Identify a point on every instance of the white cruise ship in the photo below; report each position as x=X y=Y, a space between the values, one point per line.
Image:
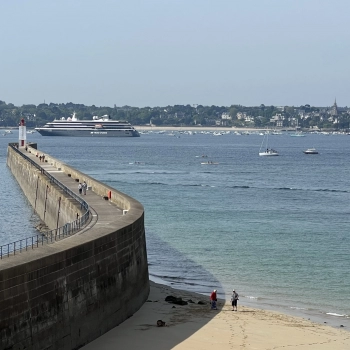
x=97 y=127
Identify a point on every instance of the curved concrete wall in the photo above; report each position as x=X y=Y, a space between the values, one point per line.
x=52 y=205
x=64 y=295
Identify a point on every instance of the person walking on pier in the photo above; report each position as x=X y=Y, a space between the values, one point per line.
x=80 y=188
x=84 y=186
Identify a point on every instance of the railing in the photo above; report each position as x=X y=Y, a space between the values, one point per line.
x=83 y=204
x=53 y=235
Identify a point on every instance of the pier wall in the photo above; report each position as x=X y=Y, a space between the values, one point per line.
x=66 y=294
x=50 y=203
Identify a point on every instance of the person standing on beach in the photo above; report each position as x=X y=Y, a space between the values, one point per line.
x=213 y=300
x=234 y=299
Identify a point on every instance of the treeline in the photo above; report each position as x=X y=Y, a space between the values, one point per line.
x=179 y=115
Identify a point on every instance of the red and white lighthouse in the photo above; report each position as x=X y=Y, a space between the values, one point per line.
x=22 y=133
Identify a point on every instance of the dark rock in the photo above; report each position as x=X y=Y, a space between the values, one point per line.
x=341 y=325
x=170 y=298
x=190 y=301
x=201 y=302
x=174 y=300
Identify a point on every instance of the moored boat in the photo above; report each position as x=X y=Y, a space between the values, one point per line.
x=209 y=162
x=265 y=143
x=269 y=152
x=311 y=151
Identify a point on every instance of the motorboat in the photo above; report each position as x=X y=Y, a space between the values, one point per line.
x=209 y=162
x=311 y=151
x=298 y=134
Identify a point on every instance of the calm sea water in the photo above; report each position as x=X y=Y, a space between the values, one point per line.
x=17 y=219
x=276 y=229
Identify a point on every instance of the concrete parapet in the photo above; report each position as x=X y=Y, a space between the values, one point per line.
x=64 y=295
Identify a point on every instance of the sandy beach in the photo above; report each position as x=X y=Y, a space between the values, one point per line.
x=195 y=326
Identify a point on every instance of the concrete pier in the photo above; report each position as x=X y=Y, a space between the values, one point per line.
x=64 y=295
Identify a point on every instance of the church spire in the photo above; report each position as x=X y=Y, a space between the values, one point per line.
x=334 y=109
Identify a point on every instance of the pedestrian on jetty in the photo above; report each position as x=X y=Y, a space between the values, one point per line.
x=80 y=188
x=84 y=186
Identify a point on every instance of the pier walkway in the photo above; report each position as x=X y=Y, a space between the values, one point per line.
x=102 y=211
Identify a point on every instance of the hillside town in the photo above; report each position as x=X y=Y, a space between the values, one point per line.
x=303 y=117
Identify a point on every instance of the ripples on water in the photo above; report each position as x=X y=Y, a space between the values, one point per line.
x=274 y=228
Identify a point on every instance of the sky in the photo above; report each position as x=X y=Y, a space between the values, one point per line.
x=166 y=52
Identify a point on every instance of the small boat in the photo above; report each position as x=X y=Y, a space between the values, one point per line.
x=209 y=162
x=298 y=133
x=269 y=152
x=311 y=151
x=265 y=145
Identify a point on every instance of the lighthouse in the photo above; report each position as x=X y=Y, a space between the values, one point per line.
x=22 y=133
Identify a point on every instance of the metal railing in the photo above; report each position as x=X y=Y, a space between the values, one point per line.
x=53 y=235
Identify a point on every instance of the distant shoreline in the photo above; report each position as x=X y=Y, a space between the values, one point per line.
x=201 y=128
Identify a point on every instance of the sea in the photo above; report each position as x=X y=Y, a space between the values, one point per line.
x=275 y=229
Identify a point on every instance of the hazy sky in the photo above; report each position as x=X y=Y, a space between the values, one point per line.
x=166 y=52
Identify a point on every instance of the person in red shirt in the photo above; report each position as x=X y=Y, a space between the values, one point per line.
x=213 y=299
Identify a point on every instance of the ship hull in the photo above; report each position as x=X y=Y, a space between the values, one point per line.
x=88 y=133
